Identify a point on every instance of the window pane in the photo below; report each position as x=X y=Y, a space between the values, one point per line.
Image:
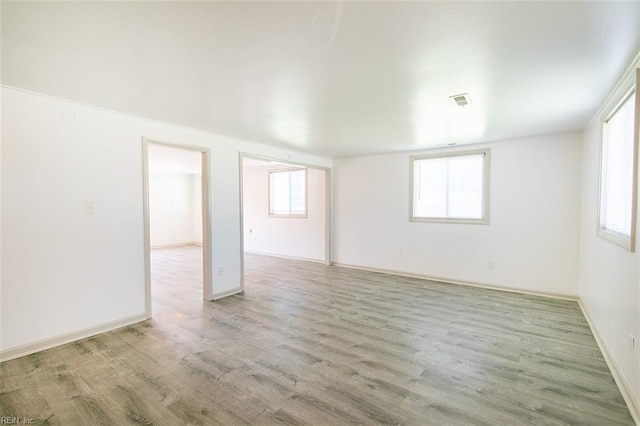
x=617 y=171
x=298 y=191
x=449 y=187
x=287 y=192
x=432 y=195
x=279 y=186
x=465 y=187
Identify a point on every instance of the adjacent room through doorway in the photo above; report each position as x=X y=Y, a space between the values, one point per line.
x=284 y=211
x=175 y=228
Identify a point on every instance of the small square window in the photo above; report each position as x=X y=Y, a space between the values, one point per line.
x=451 y=187
x=288 y=193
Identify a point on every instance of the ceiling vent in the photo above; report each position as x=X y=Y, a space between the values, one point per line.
x=461 y=99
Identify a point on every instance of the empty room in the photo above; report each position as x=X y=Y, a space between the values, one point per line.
x=331 y=212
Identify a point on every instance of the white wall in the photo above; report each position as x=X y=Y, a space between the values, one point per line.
x=196 y=208
x=533 y=235
x=174 y=208
x=609 y=275
x=302 y=238
x=65 y=272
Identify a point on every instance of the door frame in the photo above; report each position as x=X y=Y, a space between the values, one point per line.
x=328 y=218
x=207 y=260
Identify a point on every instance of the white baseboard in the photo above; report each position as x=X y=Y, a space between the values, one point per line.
x=161 y=246
x=227 y=293
x=41 y=345
x=282 y=256
x=625 y=389
x=464 y=283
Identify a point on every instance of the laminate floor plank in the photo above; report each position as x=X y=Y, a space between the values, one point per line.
x=311 y=344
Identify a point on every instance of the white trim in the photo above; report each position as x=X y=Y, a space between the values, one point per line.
x=456 y=282
x=282 y=256
x=304 y=215
x=222 y=295
x=621 y=102
x=63 y=339
x=328 y=216
x=625 y=388
x=162 y=246
x=207 y=259
x=207 y=221
x=626 y=81
x=627 y=243
x=146 y=227
x=241 y=206
x=622 y=242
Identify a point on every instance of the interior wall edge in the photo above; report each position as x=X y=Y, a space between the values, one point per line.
x=625 y=388
x=63 y=339
x=563 y=296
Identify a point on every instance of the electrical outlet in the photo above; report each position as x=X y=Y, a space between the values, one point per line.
x=491 y=264
x=220 y=270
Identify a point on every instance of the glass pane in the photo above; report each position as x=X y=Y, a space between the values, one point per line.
x=298 y=191
x=465 y=187
x=432 y=185
x=449 y=187
x=287 y=192
x=617 y=171
x=279 y=193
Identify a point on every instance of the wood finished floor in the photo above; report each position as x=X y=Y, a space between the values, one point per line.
x=323 y=345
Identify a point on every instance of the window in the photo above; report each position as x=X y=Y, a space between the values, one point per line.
x=288 y=193
x=618 y=175
x=450 y=187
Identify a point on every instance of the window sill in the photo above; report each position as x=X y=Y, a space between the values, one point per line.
x=625 y=243
x=484 y=221
x=288 y=216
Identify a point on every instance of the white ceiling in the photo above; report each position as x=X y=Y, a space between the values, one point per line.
x=333 y=78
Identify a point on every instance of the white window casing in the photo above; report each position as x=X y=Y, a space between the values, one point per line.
x=288 y=193
x=451 y=187
x=619 y=173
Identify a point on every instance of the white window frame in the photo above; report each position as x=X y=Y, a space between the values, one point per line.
x=484 y=220
x=625 y=242
x=306 y=194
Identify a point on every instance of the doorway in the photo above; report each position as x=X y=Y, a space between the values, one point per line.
x=176 y=222
x=285 y=210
